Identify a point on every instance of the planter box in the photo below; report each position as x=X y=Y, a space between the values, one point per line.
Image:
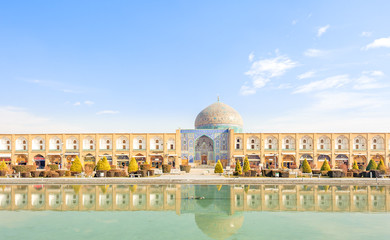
x=3 y=173
x=61 y=173
x=25 y=174
x=357 y=174
x=55 y=174
x=247 y=174
x=267 y=173
x=253 y=173
x=275 y=173
x=145 y=166
x=375 y=173
x=143 y=173
x=284 y=174
x=316 y=171
x=110 y=173
x=186 y=168
x=336 y=174
x=35 y=173
x=166 y=168
x=324 y=173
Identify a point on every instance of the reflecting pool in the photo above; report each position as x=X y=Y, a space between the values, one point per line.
x=194 y=212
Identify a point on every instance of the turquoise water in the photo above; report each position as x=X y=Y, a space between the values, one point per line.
x=194 y=212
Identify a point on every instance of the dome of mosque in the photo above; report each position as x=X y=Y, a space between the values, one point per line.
x=219 y=226
x=219 y=116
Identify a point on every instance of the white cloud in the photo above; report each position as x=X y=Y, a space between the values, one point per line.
x=284 y=86
x=88 y=103
x=251 y=57
x=107 y=112
x=262 y=71
x=330 y=82
x=294 y=22
x=314 y=53
x=77 y=104
x=380 y=42
x=322 y=30
x=366 y=34
x=306 y=75
x=369 y=80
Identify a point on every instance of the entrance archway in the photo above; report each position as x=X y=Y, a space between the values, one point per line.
x=123 y=160
x=157 y=161
x=54 y=159
x=172 y=161
x=204 y=149
x=140 y=158
x=288 y=161
x=341 y=160
x=309 y=159
x=271 y=162
x=21 y=159
x=360 y=160
x=89 y=158
x=377 y=158
x=39 y=161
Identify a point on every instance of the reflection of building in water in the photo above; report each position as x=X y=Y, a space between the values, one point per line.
x=219 y=215
x=226 y=199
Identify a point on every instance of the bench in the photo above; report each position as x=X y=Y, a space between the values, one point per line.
x=82 y=174
x=135 y=175
x=316 y=175
x=13 y=175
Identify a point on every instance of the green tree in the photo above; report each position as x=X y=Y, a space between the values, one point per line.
x=238 y=167
x=325 y=166
x=133 y=165
x=355 y=165
x=371 y=165
x=103 y=165
x=218 y=167
x=306 y=167
x=246 y=165
x=381 y=167
x=76 y=165
x=3 y=166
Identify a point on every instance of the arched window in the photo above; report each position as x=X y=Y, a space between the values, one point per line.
x=271 y=143
x=105 y=143
x=156 y=143
x=238 y=143
x=139 y=143
x=122 y=143
x=323 y=143
x=171 y=144
x=55 y=143
x=253 y=143
x=5 y=144
x=378 y=143
x=288 y=143
x=72 y=143
x=360 y=143
x=306 y=142
x=342 y=143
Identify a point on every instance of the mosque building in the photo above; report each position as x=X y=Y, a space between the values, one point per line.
x=218 y=135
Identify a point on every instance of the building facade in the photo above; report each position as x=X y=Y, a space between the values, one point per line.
x=218 y=135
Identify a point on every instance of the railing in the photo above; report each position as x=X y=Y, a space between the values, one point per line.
x=105 y=149
x=21 y=150
x=143 y=149
x=121 y=149
x=55 y=150
x=360 y=149
x=271 y=149
x=306 y=149
x=290 y=149
x=323 y=150
x=88 y=150
x=5 y=150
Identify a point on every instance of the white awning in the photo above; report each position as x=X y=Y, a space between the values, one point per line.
x=341 y=153
x=138 y=156
x=238 y=155
x=105 y=155
x=5 y=155
x=67 y=154
x=270 y=155
x=292 y=153
x=121 y=154
x=155 y=154
x=359 y=154
x=253 y=154
x=49 y=154
x=172 y=155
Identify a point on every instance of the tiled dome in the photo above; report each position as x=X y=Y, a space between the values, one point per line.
x=219 y=116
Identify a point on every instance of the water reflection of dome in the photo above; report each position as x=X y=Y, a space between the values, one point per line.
x=219 y=226
x=219 y=116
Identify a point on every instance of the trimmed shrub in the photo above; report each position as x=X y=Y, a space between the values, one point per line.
x=144 y=173
x=371 y=165
x=238 y=169
x=306 y=167
x=246 y=165
x=103 y=165
x=25 y=174
x=53 y=167
x=99 y=173
x=284 y=174
x=166 y=168
x=145 y=166
x=61 y=173
x=218 y=167
x=35 y=174
x=186 y=168
x=76 y=165
x=3 y=166
x=150 y=172
x=325 y=166
x=355 y=165
x=374 y=173
x=336 y=174
x=133 y=166
x=381 y=167
x=19 y=168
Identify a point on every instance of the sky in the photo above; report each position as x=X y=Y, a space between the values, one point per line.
x=152 y=66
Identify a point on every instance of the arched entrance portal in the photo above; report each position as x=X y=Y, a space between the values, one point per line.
x=341 y=160
x=377 y=158
x=288 y=161
x=360 y=160
x=204 y=150
x=39 y=161
x=21 y=159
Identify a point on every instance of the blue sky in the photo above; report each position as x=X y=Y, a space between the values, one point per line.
x=151 y=66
